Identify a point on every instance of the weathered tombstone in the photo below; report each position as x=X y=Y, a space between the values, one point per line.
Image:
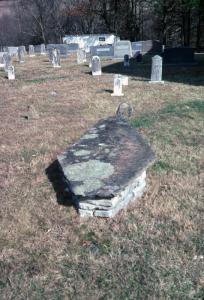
x=90 y=62
x=96 y=66
x=21 y=57
x=121 y=48
x=124 y=111
x=13 y=51
x=50 y=54
x=42 y=49
x=126 y=60
x=80 y=56
x=106 y=169
x=156 y=74
x=2 y=59
x=23 y=48
x=7 y=62
x=72 y=47
x=118 y=86
x=31 y=51
x=11 y=72
x=56 y=59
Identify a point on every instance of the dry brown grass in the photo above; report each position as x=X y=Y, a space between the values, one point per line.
x=152 y=250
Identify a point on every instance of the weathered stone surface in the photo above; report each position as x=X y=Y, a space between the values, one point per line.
x=106 y=168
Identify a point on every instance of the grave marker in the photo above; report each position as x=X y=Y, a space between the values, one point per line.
x=118 y=86
x=56 y=58
x=21 y=57
x=122 y=48
x=156 y=74
x=11 y=72
x=31 y=51
x=96 y=66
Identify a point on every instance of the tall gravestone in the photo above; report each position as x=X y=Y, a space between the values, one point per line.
x=11 y=73
x=80 y=56
x=31 y=51
x=50 y=54
x=56 y=59
x=21 y=55
x=42 y=49
x=118 y=86
x=96 y=65
x=8 y=62
x=156 y=74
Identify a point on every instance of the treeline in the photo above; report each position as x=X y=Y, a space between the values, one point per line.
x=173 y=22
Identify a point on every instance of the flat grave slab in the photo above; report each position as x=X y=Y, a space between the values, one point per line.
x=106 y=168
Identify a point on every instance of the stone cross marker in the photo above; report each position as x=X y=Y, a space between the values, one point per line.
x=118 y=85
x=126 y=60
x=21 y=56
x=96 y=66
x=11 y=72
x=31 y=51
x=56 y=58
x=156 y=75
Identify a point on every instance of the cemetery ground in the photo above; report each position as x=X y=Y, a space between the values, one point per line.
x=152 y=250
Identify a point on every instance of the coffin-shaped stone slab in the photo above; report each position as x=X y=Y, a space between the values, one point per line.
x=106 y=168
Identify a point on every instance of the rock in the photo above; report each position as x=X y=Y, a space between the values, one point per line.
x=106 y=168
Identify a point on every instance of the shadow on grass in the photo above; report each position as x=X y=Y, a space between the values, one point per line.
x=192 y=74
x=55 y=176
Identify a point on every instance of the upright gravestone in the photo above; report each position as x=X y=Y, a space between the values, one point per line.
x=31 y=51
x=21 y=55
x=42 y=49
x=156 y=74
x=121 y=48
x=118 y=85
x=126 y=60
x=96 y=65
x=50 y=54
x=7 y=62
x=80 y=56
x=11 y=73
x=56 y=59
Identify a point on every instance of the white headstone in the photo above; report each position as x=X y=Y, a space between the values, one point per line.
x=117 y=86
x=156 y=74
x=81 y=56
x=124 y=80
x=7 y=61
x=21 y=57
x=42 y=49
x=31 y=51
x=56 y=58
x=96 y=66
x=11 y=73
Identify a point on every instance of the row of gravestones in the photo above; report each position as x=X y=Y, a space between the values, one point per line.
x=119 y=80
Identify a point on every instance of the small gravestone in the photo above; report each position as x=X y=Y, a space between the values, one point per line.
x=90 y=62
x=8 y=62
x=56 y=58
x=11 y=72
x=106 y=169
x=124 y=111
x=21 y=55
x=156 y=74
x=96 y=66
x=42 y=49
x=80 y=56
x=50 y=54
x=126 y=60
x=31 y=51
x=118 y=86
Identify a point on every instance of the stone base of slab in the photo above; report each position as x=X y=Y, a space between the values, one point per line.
x=162 y=82
x=96 y=73
x=108 y=208
x=116 y=95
